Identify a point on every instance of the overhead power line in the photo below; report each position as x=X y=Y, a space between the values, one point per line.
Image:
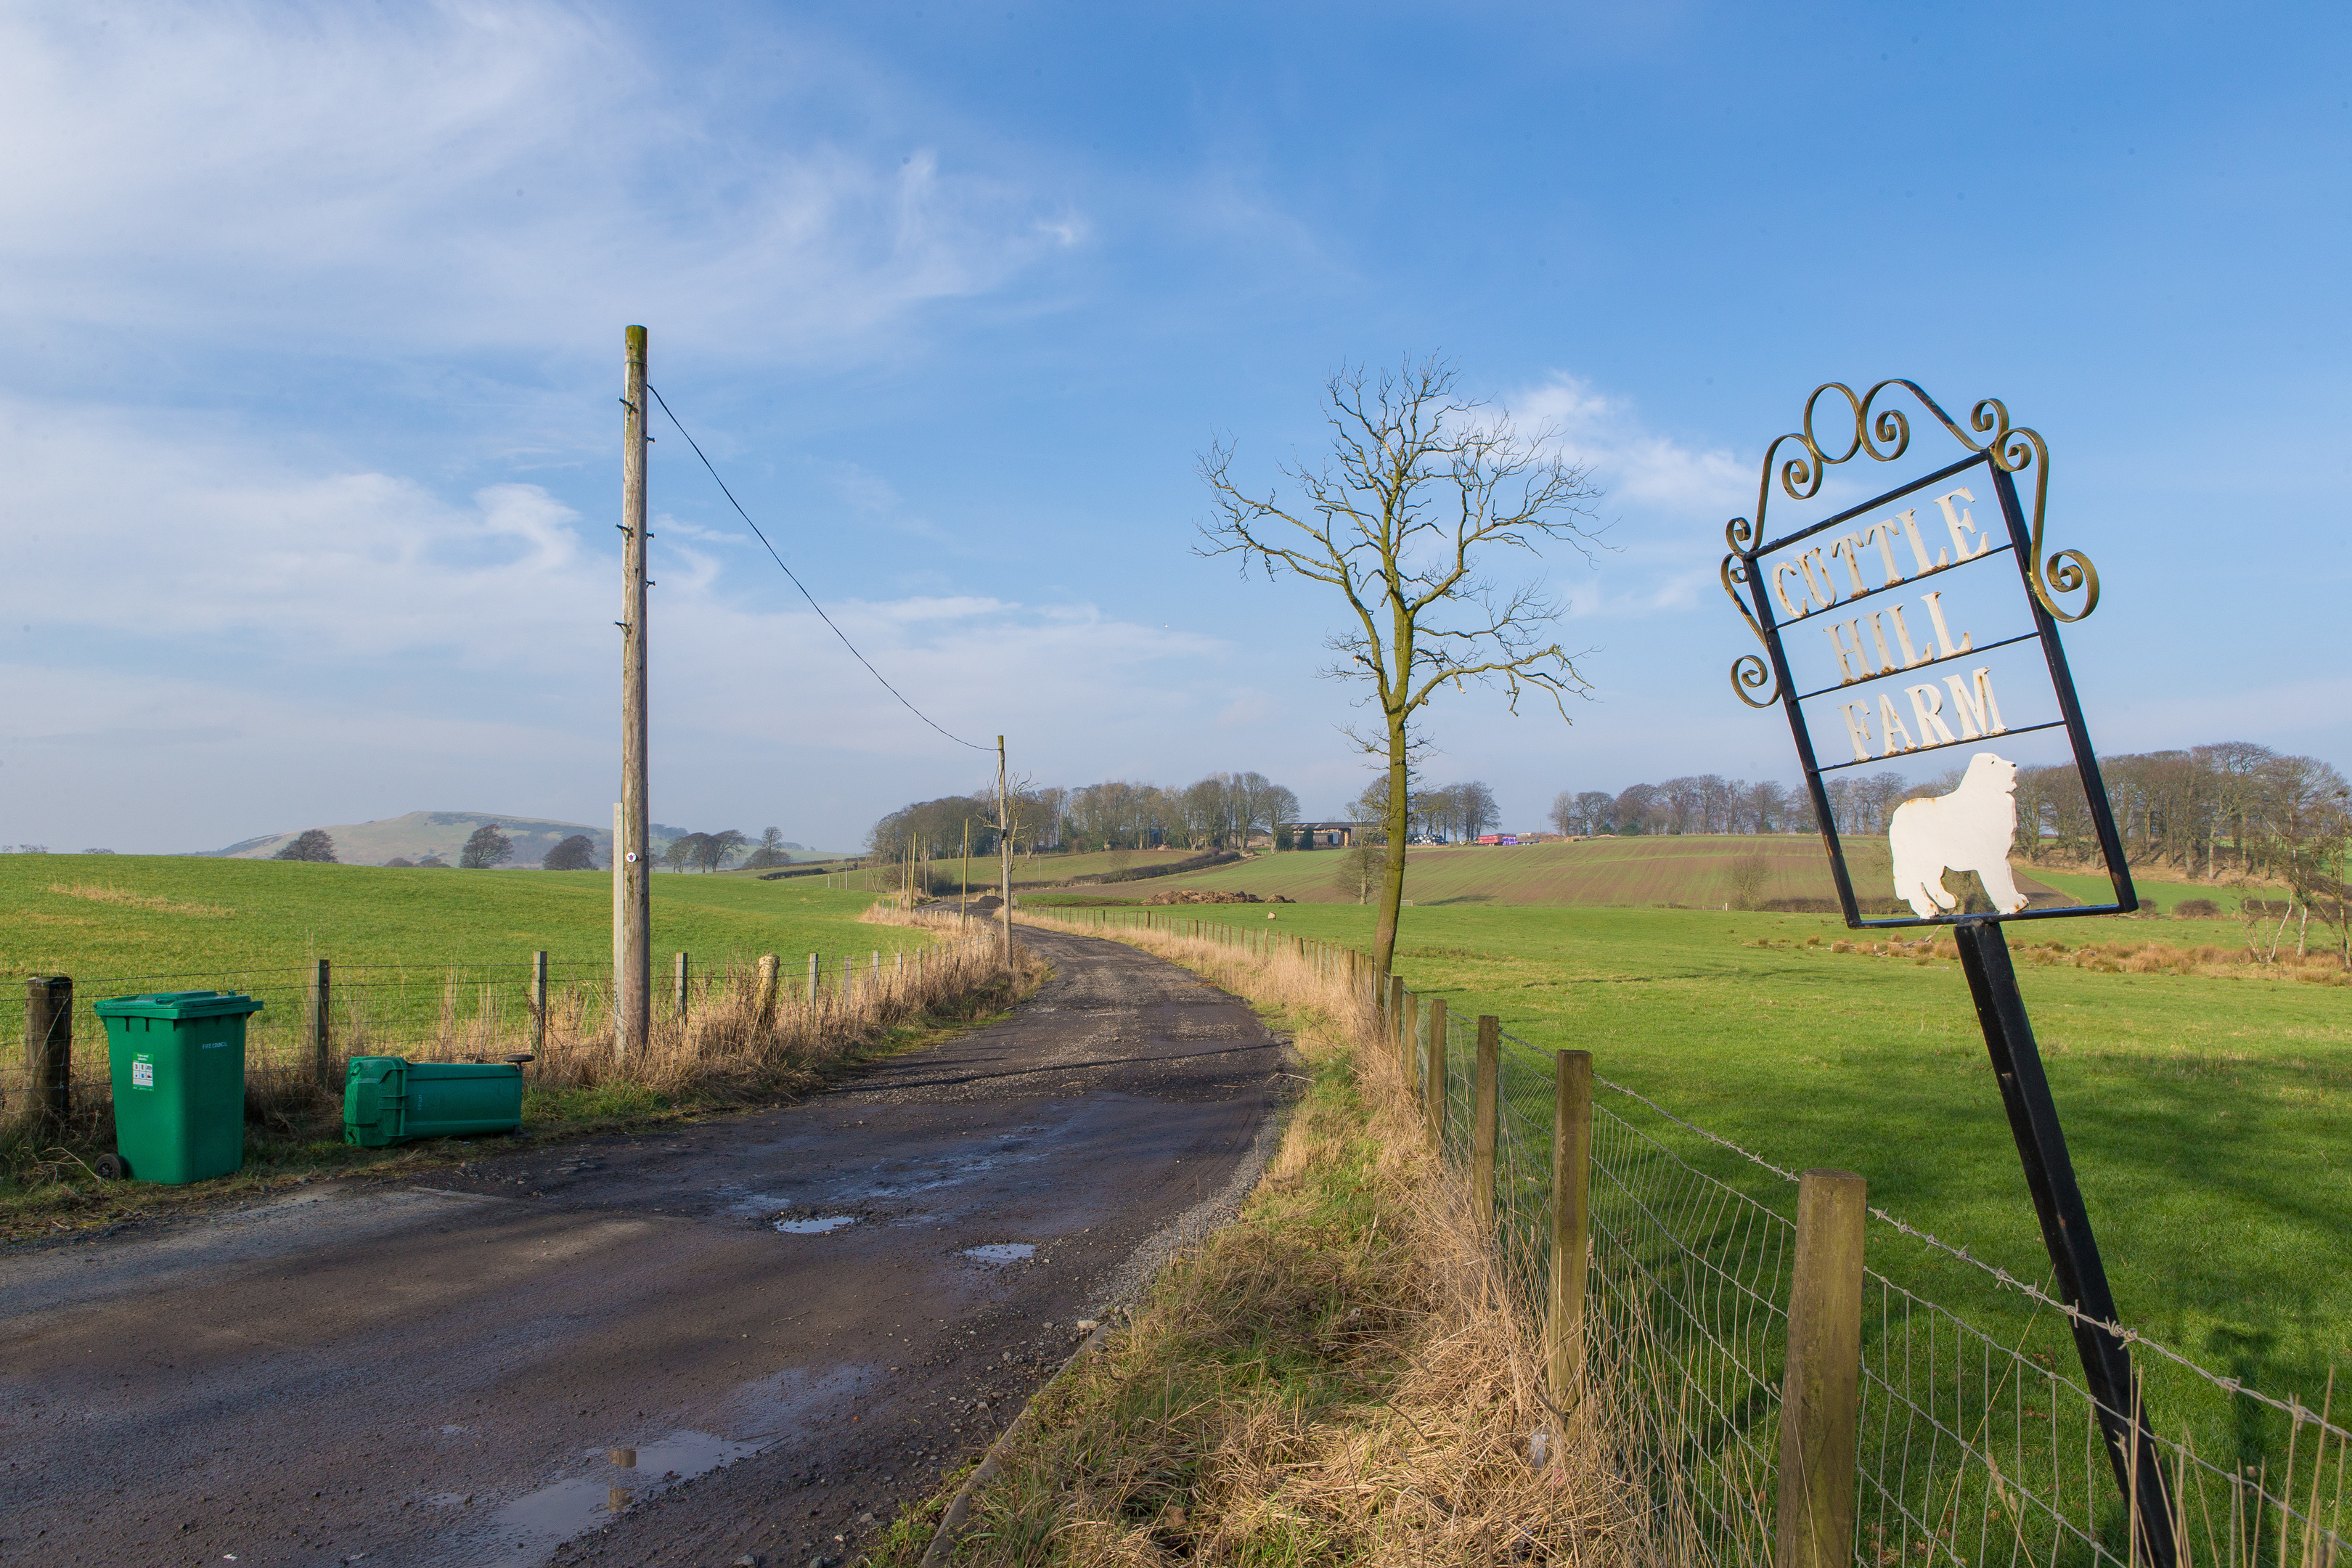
x=754 y=527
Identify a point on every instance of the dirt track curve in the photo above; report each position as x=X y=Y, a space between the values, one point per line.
x=465 y=1375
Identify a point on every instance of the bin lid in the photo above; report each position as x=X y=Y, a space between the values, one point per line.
x=177 y=1004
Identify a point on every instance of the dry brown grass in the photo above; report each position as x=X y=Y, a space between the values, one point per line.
x=102 y=893
x=1339 y=1377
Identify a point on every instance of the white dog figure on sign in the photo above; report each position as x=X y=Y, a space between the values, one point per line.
x=1968 y=830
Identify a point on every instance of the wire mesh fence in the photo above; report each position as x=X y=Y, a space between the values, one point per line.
x=1979 y=1444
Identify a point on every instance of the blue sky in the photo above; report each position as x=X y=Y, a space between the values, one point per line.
x=314 y=320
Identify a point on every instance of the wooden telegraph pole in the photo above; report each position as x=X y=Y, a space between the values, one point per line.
x=632 y=865
x=1005 y=855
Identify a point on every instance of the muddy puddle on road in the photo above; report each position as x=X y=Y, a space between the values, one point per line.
x=1002 y=1252
x=896 y=1180
x=606 y=1481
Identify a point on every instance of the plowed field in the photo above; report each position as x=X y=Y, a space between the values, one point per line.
x=1689 y=871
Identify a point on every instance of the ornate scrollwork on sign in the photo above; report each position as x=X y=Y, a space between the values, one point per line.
x=1885 y=433
x=1749 y=673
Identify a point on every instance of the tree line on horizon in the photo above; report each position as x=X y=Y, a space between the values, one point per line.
x=2230 y=807
x=1218 y=811
x=489 y=846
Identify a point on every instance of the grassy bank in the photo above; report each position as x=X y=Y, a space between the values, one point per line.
x=1329 y=1379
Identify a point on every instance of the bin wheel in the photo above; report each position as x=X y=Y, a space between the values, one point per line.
x=113 y=1167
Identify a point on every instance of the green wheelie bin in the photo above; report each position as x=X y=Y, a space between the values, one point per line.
x=391 y=1099
x=178 y=1059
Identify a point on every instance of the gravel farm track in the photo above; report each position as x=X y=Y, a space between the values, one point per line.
x=751 y=1336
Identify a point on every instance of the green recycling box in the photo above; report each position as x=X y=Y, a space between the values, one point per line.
x=390 y=1099
x=178 y=1063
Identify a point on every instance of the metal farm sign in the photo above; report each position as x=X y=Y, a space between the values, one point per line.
x=1917 y=633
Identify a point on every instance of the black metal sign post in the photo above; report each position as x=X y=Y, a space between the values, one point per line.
x=1819 y=572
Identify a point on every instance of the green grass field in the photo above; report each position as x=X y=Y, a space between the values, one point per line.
x=414 y=951
x=399 y=941
x=129 y=915
x=2210 y=1120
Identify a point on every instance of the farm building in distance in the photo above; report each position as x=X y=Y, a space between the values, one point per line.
x=1326 y=835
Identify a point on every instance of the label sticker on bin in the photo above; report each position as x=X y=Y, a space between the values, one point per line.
x=142 y=1072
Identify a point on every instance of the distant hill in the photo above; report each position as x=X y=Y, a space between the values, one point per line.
x=442 y=832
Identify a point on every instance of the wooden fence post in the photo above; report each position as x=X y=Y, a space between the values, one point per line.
x=680 y=988
x=764 y=998
x=323 y=1058
x=1392 y=989
x=1432 y=1078
x=1409 y=1026
x=1821 y=1397
x=539 y=1006
x=1486 y=1114
x=813 y=967
x=48 y=1052
x=1571 y=1171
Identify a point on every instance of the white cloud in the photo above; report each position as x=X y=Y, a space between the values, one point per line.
x=293 y=643
x=1640 y=467
x=1665 y=506
x=438 y=176
x=667 y=527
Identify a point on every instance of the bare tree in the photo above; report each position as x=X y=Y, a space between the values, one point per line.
x=1358 y=874
x=684 y=851
x=1567 y=818
x=712 y=852
x=577 y=853
x=1477 y=807
x=486 y=847
x=1421 y=485
x=310 y=844
x=1634 y=808
x=1747 y=876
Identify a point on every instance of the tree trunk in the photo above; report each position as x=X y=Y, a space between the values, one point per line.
x=1392 y=869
